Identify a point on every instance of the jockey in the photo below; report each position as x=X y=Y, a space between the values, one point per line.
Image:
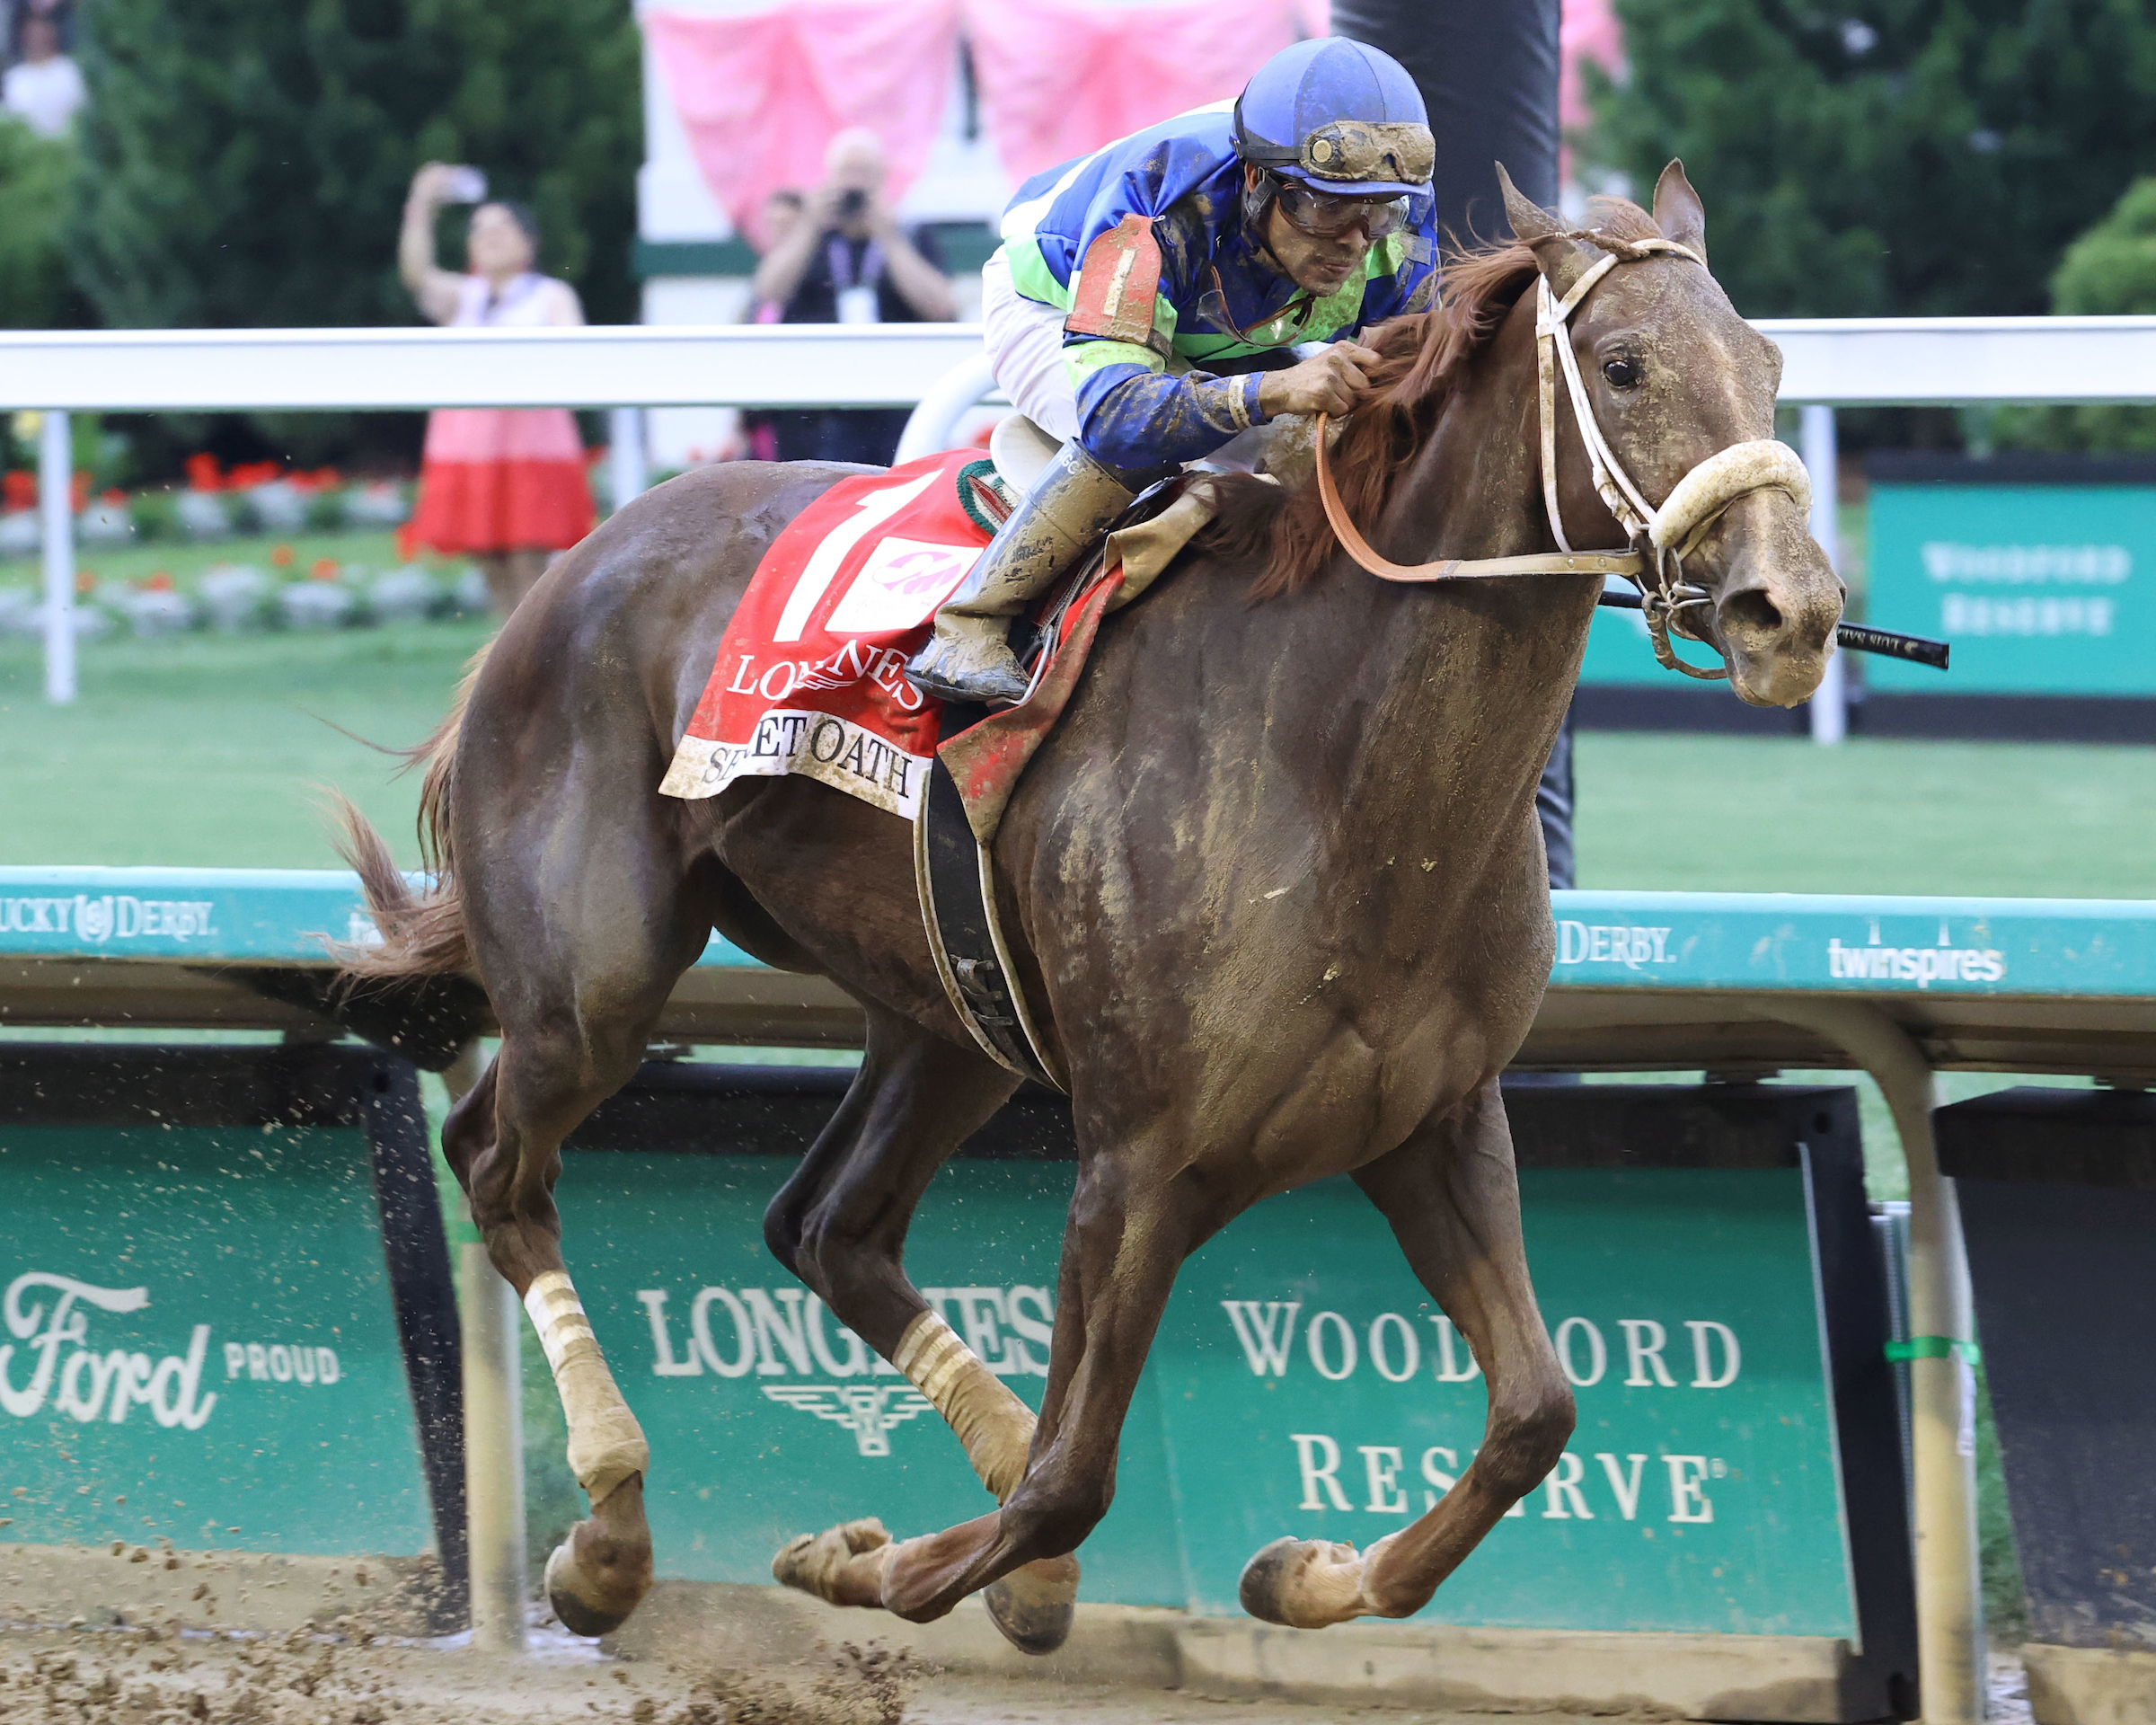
x=1147 y=300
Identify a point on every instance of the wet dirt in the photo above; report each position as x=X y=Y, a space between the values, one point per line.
x=135 y=1674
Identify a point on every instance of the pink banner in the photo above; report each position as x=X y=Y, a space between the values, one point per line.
x=1589 y=32
x=1060 y=78
x=761 y=95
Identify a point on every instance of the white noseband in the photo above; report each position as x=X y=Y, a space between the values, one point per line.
x=1761 y=466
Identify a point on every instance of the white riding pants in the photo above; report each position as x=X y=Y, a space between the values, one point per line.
x=1024 y=339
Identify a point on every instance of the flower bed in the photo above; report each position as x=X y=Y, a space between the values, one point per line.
x=257 y=546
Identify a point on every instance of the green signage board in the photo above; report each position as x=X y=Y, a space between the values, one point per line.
x=199 y=1338
x=767 y=1418
x=1327 y=1398
x=2041 y=588
x=1302 y=1383
x=1712 y=941
x=1619 y=652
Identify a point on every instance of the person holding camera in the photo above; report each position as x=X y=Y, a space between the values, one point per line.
x=847 y=261
x=506 y=485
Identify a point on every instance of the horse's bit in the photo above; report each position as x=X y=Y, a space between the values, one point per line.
x=1659 y=539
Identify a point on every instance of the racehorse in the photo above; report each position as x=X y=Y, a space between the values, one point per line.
x=1276 y=878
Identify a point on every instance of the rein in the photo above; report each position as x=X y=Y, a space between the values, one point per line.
x=1659 y=538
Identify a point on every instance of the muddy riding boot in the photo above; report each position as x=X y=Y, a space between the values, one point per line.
x=968 y=657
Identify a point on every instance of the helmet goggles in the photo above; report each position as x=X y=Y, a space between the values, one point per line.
x=1353 y=158
x=1325 y=215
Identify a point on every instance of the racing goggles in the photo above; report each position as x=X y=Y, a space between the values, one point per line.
x=1326 y=215
x=1359 y=155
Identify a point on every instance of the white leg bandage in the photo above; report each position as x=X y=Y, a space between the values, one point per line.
x=605 y=1444
x=994 y=1425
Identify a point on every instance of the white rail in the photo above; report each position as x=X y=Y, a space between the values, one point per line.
x=1960 y=361
x=936 y=367
x=1840 y=362
x=766 y=364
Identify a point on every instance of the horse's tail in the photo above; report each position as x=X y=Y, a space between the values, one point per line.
x=422 y=935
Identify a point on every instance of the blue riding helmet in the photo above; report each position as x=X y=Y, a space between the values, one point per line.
x=1339 y=117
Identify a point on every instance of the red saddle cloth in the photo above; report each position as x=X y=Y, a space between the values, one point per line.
x=810 y=677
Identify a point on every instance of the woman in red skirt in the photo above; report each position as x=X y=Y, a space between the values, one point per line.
x=505 y=484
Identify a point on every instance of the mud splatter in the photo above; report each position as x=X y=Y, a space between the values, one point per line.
x=135 y=1674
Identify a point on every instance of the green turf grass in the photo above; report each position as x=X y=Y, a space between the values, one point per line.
x=201 y=750
x=1742 y=814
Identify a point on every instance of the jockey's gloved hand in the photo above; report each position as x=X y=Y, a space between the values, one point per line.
x=1328 y=383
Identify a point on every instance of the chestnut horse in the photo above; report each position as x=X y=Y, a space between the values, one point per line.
x=1276 y=881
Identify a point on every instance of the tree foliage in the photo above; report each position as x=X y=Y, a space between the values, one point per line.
x=1886 y=158
x=34 y=290
x=2110 y=269
x=245 y=162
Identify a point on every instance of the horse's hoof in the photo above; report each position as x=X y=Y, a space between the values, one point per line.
x=842 y=1566
x=596 y=1577
x=1034 y=1605
x=1303 y=1583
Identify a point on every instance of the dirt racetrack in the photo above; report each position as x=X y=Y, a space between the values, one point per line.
x=144 y=1676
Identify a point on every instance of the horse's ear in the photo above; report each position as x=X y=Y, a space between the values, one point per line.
x=1678 y=211
x=1563 y=258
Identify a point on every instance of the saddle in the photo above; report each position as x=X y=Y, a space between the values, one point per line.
x=975 y=763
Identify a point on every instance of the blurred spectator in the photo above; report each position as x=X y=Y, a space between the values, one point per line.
x=16 y=13
x=505 y=484
x=42 y=89
x=781 y=213
x=845 y=260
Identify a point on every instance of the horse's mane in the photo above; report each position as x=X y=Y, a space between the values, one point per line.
x=1423 y=354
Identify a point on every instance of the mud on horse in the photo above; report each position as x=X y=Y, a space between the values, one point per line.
x=1277 y=878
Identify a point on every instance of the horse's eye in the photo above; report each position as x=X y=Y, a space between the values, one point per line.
x=1622 y=374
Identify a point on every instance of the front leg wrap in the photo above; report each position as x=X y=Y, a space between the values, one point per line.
x=994 y=1425
x=606 y=1444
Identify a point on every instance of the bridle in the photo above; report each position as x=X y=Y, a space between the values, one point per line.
x=1659 y=539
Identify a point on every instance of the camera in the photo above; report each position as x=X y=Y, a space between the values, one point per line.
x=852 y=203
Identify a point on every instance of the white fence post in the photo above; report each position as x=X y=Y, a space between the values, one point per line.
x=493 y=1451
x=1830 y=704
x=56 y=514
x=492 y=1323
x=626 y=462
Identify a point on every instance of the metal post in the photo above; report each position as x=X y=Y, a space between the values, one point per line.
x=492 y=1323
x=632 y=478
x=1942 y=1386
x=1830 y=704
x=56 y=512
x=493 y=1451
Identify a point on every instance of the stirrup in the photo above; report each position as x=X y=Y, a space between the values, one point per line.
x=992 y=684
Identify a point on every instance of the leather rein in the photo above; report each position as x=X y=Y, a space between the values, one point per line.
x=1659 y=538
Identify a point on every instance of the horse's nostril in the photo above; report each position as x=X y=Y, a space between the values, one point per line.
x=1752 y=612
